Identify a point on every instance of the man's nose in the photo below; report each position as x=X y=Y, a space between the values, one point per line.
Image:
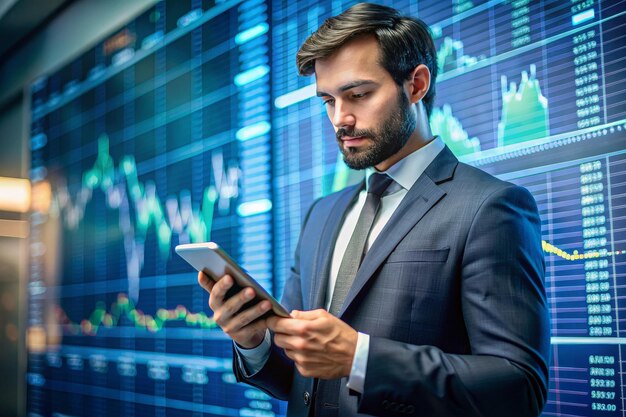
x=343 y=116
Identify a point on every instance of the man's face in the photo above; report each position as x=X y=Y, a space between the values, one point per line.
x=372 y=116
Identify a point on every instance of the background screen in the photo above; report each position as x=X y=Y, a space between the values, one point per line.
x=190 y=124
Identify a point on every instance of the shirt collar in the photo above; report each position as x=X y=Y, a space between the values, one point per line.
x=407 y=170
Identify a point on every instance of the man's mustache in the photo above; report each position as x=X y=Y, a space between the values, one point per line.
x=354 y=133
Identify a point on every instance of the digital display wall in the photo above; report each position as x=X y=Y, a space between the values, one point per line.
x=190 y=124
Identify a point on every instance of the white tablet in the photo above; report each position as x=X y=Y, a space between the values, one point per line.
x=215 y=263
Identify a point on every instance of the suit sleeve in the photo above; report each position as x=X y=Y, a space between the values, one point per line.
x=506 y=316
x=276 y=376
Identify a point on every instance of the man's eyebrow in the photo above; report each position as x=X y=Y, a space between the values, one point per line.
x=348 y=86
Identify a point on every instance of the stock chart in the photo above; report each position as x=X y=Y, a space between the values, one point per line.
x=190 y=124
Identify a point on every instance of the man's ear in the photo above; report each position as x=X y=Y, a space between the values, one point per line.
x=418 y=83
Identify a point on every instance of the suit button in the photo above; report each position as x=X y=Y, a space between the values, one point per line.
x=307 y=398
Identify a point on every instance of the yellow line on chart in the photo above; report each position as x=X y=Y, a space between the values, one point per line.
x=575 y=255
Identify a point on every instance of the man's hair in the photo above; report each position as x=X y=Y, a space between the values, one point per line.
x=404 y=42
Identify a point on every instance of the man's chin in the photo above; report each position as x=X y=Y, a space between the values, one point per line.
x=357 y=162
x=358 y=157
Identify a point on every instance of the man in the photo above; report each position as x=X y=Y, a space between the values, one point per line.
x=445 y=313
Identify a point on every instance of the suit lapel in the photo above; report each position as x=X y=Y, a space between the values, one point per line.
x=423 y=195
x=324 y=252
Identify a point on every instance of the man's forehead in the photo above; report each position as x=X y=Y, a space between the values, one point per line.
x=348 y=85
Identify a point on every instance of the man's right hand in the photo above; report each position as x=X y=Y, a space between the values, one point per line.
x=241 y=326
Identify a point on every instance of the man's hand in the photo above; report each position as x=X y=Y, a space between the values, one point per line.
x=240 y=326
x=321 y=345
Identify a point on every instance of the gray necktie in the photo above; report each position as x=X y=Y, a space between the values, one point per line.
x=351 y=261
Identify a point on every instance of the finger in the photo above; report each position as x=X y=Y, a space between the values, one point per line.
x=290 y=354
x=279 y=340
x=271 y=322
x=288 y=326
x=231 y=308
x=287 y=342
x=218 y=292
x=302 y=370
x=221 y=286
x=205 y=282
x=250 y=315
x=302 y=361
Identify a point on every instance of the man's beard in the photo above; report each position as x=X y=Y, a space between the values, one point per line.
x=393 y=134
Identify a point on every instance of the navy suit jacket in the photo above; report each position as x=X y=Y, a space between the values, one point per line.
x=451 y=294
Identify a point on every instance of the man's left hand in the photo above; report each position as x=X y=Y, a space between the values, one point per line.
x=321 y=345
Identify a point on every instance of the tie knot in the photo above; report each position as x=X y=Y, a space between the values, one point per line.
x=378 y=183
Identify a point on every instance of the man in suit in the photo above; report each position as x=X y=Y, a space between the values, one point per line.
x=418 y=292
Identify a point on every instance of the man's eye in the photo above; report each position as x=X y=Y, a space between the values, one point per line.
x=329 y=101
x=359 y=95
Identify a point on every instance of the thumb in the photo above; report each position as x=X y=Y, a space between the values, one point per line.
x=308 y=315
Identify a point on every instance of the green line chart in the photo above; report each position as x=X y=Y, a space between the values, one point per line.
x=141 y=209
x=524 y=110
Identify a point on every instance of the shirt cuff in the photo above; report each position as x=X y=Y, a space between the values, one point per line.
x=252 y=360
x=356 y=380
